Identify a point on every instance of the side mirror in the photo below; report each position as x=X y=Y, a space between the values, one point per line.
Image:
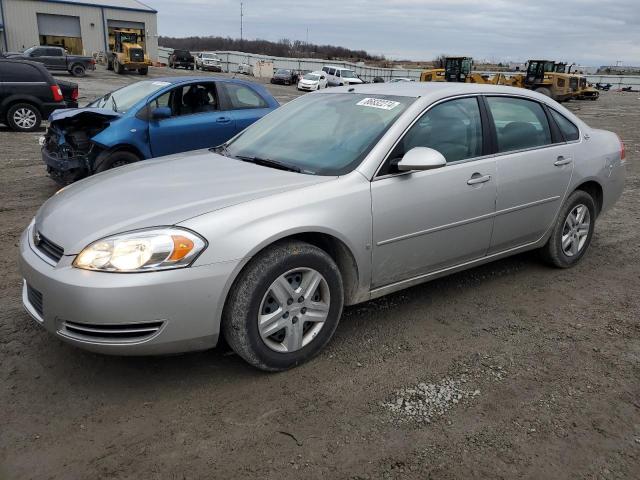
x=160 y=113
x=421 y=158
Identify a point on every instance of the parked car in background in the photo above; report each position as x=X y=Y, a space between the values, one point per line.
x=284 y=76
x=340 y=76
x=378 y=80
x=148 y=119
x=182 y=59
x=56 y=59
x=252 y=240
x=245 y=69
x=208 y=61
x=28 y=93
x=313 y=81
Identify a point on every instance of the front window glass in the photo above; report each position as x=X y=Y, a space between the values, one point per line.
x=321 y=134
x=519 y=123
x=124 y=98
x=453 y=128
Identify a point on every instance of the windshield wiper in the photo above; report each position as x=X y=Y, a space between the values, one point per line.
x=266 y=162
x=222 y=149
x=113 y=102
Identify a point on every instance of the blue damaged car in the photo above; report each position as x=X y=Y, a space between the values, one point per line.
x=149 y=119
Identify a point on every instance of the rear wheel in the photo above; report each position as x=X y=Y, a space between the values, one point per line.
x=572 y=231
x=78 y=70
x=143 y=71
x=109 y=64
x=116 y=159
x=24 y=117
x=544 y=91
x=117 y=66
x=284 y=307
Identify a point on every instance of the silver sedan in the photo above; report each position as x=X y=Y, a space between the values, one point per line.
x=336 y=198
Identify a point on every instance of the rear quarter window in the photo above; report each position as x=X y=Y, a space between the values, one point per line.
x=569 y=131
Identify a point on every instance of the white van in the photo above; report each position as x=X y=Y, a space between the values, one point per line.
x=338 y=76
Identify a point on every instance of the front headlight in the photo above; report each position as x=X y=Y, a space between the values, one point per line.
x=142 y=251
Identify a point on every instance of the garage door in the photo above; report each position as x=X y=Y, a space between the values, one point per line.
x=59 y=25
x=125 y=24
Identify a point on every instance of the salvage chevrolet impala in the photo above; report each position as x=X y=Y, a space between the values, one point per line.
x=338 y=197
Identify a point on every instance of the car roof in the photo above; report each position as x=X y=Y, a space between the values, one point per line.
x=433 y=90
x=192 y=78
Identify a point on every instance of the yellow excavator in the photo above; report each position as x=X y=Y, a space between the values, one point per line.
x=126 y=53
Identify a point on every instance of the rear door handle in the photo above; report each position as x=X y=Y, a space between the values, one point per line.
x=223 y=120
x=562 y=161
x=478 y=178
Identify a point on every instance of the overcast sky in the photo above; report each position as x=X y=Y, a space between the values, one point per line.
x=588 y=32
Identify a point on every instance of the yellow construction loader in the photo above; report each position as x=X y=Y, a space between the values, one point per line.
x=542 y=77
x=126 y=53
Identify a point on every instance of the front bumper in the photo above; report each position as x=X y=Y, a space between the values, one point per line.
x=59 y=164
x=124 y=314
x=211 y=68
x=309 y=88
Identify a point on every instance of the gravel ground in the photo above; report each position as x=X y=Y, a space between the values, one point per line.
x=509 y=370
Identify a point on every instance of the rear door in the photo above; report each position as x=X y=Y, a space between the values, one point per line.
x=534 y=167
x=197 y=120
x=242 y=104
x=55 y=59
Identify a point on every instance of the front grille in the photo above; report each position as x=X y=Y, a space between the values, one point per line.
x=46 y=246
x=111 y=333
x=136 y=55
x=35 y=299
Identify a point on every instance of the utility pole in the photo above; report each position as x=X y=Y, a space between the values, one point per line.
x=241 y=15
x=307 y=35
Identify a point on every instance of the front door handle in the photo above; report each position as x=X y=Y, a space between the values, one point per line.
x=478 y=178
x=223 y=120
x=562 y=161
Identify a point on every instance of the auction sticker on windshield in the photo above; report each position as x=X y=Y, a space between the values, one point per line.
x=378 y=103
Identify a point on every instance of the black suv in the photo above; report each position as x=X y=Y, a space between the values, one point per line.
x=29 y=93
x=182 y=58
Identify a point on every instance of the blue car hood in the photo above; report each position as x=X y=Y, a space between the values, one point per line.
x=81 y=112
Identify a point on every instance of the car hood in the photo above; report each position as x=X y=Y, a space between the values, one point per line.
x=157 y=192
x=83 y=114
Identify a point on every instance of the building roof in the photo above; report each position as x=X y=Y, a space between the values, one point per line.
x=117 y=4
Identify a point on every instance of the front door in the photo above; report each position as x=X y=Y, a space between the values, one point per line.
x=429 y=220
x=196 y=121
x=534 y=170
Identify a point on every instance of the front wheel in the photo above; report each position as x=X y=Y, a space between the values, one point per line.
x=544 y=91
x=116 y=159
x=284 y=307
x=143 y=71
x=572 y=232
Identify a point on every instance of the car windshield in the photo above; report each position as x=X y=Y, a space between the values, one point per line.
x=208 y=56
x=29 y=50
x=326 y=134
x=311 y=76
x=123 y=99
x=283 y=72
x=348 y=74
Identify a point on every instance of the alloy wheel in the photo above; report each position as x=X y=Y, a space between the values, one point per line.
x=294 y=310
x=25 y=118
x=576 y=230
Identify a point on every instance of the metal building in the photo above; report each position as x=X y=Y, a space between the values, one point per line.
x=81 y=26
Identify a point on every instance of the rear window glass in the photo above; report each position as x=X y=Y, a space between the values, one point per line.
x=243 y=97
x=519 y=123
x=20 y=72
x=568 y=129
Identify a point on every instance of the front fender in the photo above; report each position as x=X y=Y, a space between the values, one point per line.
x=340 y=208
x=128 y=130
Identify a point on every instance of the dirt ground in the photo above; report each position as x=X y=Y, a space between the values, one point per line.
x=529 y=372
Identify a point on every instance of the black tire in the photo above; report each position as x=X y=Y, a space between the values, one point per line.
x=552 y=252
x=78 y=70
x=109 y=65
x=143 y=71
x=240 y=315
x=116 y=159
x=14 y=117
x=544 y=91
x=118 y=67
